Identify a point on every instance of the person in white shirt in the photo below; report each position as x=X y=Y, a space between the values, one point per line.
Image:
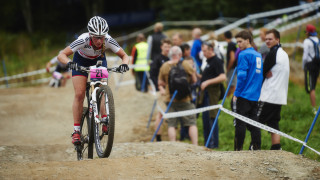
x=61 y=73
x=274 y=89
x=310 y=67
x=87 y=50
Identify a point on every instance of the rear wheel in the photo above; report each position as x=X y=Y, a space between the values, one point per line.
x=104 y=131
x=86 y=136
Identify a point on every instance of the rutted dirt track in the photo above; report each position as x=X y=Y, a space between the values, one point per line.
x=36 y=124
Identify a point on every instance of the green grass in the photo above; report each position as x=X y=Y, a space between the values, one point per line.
x=296 y=119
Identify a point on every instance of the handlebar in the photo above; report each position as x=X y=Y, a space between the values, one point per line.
x=87 y=69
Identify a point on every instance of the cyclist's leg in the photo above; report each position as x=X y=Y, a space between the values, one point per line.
x=79 y=80
x=79 y=84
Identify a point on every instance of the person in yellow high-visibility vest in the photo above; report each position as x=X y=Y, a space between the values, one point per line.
x=139 y=59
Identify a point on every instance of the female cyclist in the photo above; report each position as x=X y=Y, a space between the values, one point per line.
x=88 y=49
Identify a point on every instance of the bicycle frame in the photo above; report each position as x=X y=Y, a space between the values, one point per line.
x=93 y=102
x=98 y=77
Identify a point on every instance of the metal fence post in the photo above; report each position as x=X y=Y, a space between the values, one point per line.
x=5 y=72
x=310 y=130
x=150 y=117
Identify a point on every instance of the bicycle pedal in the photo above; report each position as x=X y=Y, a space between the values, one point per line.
x=104 y=120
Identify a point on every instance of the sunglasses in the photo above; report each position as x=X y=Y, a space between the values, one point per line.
x=97 y=37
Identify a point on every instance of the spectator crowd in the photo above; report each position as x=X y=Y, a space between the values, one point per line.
x=257 y=90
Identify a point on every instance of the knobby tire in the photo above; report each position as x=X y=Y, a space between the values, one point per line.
x=103 y=142
x=86 y=148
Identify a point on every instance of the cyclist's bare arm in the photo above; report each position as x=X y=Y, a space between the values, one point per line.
x=123 y=56
x=48 y=66
x=63 y=55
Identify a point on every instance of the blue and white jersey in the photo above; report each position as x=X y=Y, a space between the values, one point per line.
x=85 y=49
x=249 y=75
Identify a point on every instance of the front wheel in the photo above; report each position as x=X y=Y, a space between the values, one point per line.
x=104 y=131
x=85 y=150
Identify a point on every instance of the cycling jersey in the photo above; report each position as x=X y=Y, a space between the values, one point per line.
x=83 y=46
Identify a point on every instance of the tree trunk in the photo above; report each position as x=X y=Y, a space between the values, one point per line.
x=93 y=8
x=26 y=10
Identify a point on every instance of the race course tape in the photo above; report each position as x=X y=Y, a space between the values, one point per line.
x=238 y=116
x=190 y=112
x=42 y=71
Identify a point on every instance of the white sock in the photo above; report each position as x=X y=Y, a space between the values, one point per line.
x=76 y=127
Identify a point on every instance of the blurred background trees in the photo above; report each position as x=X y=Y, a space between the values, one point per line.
x=71 y=15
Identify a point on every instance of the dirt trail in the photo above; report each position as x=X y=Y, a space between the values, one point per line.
x=36 y=124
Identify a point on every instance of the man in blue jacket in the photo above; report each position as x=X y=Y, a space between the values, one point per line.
x=196 y=46
x=247 y=93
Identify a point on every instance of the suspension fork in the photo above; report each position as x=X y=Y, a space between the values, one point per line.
x=93 y=105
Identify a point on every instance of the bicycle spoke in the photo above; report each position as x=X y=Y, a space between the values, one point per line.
x=101 y=136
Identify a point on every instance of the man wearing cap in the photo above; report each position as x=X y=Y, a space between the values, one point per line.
x=311 y=68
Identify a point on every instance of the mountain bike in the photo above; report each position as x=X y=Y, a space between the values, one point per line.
x=98 y=121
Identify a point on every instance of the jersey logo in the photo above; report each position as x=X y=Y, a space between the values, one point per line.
x=87 y=46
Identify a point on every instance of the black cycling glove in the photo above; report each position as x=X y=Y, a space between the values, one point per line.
x=123 y=68
x=72 y=65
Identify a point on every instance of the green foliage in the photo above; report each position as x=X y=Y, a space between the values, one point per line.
x=210 y=9
x=296 y=119
x=23 y=52
x=192 y=10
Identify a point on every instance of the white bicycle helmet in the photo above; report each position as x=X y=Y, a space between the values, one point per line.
x=97 y=26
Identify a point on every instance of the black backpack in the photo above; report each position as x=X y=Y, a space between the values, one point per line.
x=316 y=58
x=178 y=81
